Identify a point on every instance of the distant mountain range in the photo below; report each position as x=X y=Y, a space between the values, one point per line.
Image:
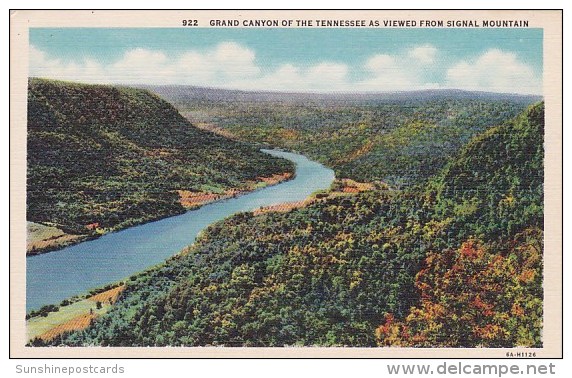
x=179 y=94
x=395 y=137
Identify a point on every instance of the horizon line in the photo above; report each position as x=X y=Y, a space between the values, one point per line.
x=274 y=91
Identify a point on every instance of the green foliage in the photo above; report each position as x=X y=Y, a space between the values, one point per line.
x=432 y=257
x=321 y=275
x=495 y=186
x=492 y=191
x=500 y=304
x=400 y=140
x=115 y=156
x=43 y=311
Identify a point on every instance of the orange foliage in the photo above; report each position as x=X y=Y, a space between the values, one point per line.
x=109 y=296
x=193 y=199
x=80 y=322
x=475 y=297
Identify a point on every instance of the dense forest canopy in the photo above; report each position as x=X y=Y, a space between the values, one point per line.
x=453 y=260
x=115 y=156
x=399 y=138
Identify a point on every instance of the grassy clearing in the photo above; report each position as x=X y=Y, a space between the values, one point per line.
x=43 y=238
x=75 y=316
x=79 y=322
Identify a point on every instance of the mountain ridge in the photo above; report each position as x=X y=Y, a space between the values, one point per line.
x=193 y=92
x=102 y=158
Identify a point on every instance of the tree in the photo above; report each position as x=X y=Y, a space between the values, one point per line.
x=475 y=297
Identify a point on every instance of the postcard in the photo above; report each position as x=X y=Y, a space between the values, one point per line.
x=255 y=183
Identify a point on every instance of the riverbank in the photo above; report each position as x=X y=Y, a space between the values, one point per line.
x=53 y=277
x=115 y=257
x=78 y=313
x=193 y=200
x=342 y=187
x=44 y=238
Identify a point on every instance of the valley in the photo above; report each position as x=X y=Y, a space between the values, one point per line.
x=102 y=158
x=434 y=190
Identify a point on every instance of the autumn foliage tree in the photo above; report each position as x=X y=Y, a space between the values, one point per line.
x=475 y=296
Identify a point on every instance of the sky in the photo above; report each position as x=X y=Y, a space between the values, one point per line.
x=284 y=59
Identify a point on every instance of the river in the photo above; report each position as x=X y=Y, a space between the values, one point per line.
x=54 y=276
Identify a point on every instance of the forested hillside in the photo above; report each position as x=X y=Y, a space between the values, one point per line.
x=103 y=158
x=399 y=138
x=454 y=262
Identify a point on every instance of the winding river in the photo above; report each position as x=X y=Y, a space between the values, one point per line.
x=54 y=276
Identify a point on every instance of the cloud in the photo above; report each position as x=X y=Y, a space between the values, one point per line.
x=227 y=65
x=424 y=54
x=325 y=76
x=227 y=62
x=44 y=66
x=406 y=71
x=234 y=66
x=387 y=74
x=139 y=65
x=495 y=71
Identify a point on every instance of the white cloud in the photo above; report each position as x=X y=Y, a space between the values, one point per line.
x=325 y=76
x=231 y=65
x=409 y=70
x=387 y=74
x=495 y=71
x=424 y=54
x=44 y=66
x=226 y=63
x=381 y=62
x=139 y=66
